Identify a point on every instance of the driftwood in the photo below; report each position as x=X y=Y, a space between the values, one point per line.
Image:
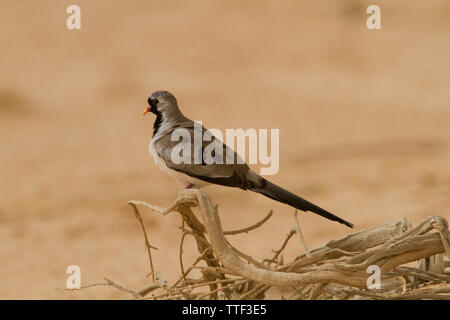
x=338 y=270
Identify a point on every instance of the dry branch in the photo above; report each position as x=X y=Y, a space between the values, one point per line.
x=337 y=270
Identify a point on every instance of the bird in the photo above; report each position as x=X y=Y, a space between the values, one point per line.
x=191 y=174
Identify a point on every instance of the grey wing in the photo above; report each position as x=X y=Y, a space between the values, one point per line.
x=212 y=168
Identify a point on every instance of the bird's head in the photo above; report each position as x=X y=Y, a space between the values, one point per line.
x=161 y=102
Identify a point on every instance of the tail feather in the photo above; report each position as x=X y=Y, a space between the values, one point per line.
x=277 y=193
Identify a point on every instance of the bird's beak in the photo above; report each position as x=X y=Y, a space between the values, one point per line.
x=145 y=111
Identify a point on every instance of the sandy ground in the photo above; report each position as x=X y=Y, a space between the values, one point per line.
x=364 y=119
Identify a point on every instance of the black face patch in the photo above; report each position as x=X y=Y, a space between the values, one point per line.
x=153 y=103
x=158 y=121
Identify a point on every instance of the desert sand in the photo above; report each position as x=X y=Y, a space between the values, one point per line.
x=364 y=120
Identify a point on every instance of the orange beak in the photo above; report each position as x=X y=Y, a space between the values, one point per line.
x=145 y=111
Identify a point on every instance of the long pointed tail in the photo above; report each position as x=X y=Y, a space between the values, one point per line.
x=277 y=193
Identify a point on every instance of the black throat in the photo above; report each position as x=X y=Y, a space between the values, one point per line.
x=158 y=122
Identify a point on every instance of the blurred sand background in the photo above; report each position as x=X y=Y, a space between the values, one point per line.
x=364 y=119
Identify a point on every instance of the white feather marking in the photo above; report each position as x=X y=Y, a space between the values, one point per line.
x=181 y=178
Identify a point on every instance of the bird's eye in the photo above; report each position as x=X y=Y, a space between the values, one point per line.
x=152 y=102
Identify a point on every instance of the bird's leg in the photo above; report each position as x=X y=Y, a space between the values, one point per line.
x=189 y=186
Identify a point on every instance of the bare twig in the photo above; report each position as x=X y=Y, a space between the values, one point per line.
x=285 y=242
x=250 y=228
x=300 y=234
x=336 y=270
x=147 y=243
